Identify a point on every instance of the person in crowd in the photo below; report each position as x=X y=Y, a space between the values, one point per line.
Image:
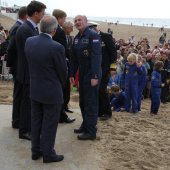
x=60 y=37
x=119 y=64
x=109 y=56
x=141 y=81
x=131 y=75
x=87 y=57
x=35 y=12
x=12 y=63
x=156 y=84
x=118 y=100
x=48 y=72
x=2 y=31
x=114 y=78
x=164 y=77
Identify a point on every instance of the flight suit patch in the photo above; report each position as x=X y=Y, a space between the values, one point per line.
x=103 y=44
x=85 y=41
x=85 y=53
x=76 y=41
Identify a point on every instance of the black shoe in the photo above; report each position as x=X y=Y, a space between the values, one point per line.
x=69 y=111
x=15 y=126
x=57 y=158
x=79 y=130
x=69 y=120
x=26 y=136
x=105 y=117
x=36 y=156
x=86 y=136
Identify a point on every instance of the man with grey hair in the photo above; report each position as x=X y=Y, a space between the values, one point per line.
x=87 y=58
x=48 y=72
x=68 y=28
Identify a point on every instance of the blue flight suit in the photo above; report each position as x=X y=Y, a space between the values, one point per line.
x=141 y=85
x=118 y=102
x=87 y=58
x=155 y=91
x=131 y=75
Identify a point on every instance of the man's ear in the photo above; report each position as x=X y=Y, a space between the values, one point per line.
x=53 y=32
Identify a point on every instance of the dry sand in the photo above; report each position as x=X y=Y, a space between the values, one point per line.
x=119 y=31
x=126 y=141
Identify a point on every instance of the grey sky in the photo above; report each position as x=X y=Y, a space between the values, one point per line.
x=109 y=8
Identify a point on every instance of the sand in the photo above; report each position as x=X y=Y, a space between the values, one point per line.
x=140 y=142
x=119 y=31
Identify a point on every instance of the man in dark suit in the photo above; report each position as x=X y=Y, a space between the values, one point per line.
x=68 y=28
x=109 y=56
x=61 y=38
x=12 y=63
x=48 y=72
x=35 y=11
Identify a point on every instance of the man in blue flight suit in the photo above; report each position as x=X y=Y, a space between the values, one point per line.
x=87 y=58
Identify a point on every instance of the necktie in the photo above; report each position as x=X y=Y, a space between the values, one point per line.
x=36 y=28
x=68 y=41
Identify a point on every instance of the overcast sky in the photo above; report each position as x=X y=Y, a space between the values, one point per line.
x=109 y=8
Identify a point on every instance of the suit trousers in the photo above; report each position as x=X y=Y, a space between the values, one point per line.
x=25 y=110
x=44 y=121
x=66 y=93
x=17 y=96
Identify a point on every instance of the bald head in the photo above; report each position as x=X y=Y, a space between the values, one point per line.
x=80 y=22
x=48 y=24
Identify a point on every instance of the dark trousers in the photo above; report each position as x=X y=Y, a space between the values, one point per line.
x=66 y=93
x=17 y=96
x=104 y=103
x=25 y=110
x=164 y=93
x=155 y=99
x=88 y=96
x=44 y=121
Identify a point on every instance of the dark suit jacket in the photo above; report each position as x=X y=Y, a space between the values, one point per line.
x=48 y=70
x=60 y=37
x=109 y=53
x=12 y=49
x=24 y=31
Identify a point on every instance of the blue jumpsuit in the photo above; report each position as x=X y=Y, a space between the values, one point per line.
x=155 y=91
x=118 y=102
x=141 y=85
x=87 y=58
x=131 y=75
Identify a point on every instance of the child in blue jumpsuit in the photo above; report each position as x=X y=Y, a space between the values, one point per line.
x=131 y=74
x=141 y=81
x=118 y=100
x=156 y=84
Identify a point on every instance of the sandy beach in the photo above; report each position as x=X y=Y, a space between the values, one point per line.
x=119 y=31
x=127 y=142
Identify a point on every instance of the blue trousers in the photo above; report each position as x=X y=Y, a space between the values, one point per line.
x=88 y=96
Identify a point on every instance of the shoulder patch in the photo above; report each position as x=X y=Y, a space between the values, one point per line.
x=95 y=40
